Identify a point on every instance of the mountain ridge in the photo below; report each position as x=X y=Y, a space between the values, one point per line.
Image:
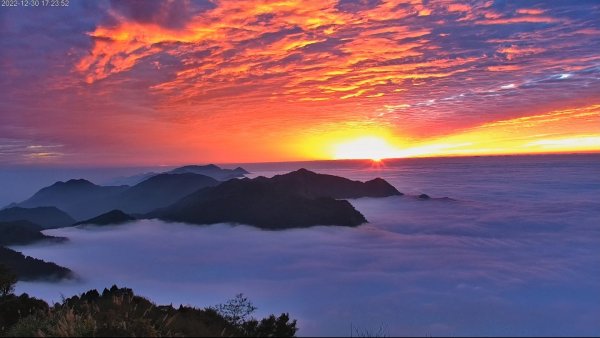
x=48 y=217
x=297 y=199
x=112 y=217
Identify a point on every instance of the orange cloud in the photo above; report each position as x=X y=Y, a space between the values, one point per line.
x=588 y=114
x=519 y=19
x=459 y=8
x=504 y=68
x=226 y=29
x=531 y=11
x=410 y=70
x=515 y=51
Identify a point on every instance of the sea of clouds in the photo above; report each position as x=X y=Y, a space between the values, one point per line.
x=515 y=252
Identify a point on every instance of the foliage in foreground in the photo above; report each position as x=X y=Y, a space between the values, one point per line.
x=119 y=312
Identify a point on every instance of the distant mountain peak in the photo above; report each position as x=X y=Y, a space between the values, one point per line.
x=241 y=170
x=315 y=184
x=177 y=174
x=112 y=217
x=79 y=182
x=47 y=217
x=78 y=197
x=84 y=200
x=174 y=178
x=211 y=170
x=302 y=171
x=196 y=166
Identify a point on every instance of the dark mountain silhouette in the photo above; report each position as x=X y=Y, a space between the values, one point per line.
x=47 y=217
x=296 y=199
x=160 y=191
x=241 y=170
x=111 y=217
x=24 y=267
x=85 y=200
x=313 y=185
x=80 y=198
x=28 y=268
x=211 y=170
x=263 y=209
x=299 y=199
x=23 y=232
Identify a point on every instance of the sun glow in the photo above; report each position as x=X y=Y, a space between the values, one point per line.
x=369 y=147
x=558 y=131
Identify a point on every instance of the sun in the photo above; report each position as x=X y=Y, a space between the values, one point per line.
x=368 y=147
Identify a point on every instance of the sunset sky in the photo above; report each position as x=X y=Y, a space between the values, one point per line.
x=171 y=82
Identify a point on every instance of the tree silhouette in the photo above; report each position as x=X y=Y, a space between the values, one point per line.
x=7 y=281
x=236 y=310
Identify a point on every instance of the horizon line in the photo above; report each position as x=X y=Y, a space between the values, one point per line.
x=80 y=166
